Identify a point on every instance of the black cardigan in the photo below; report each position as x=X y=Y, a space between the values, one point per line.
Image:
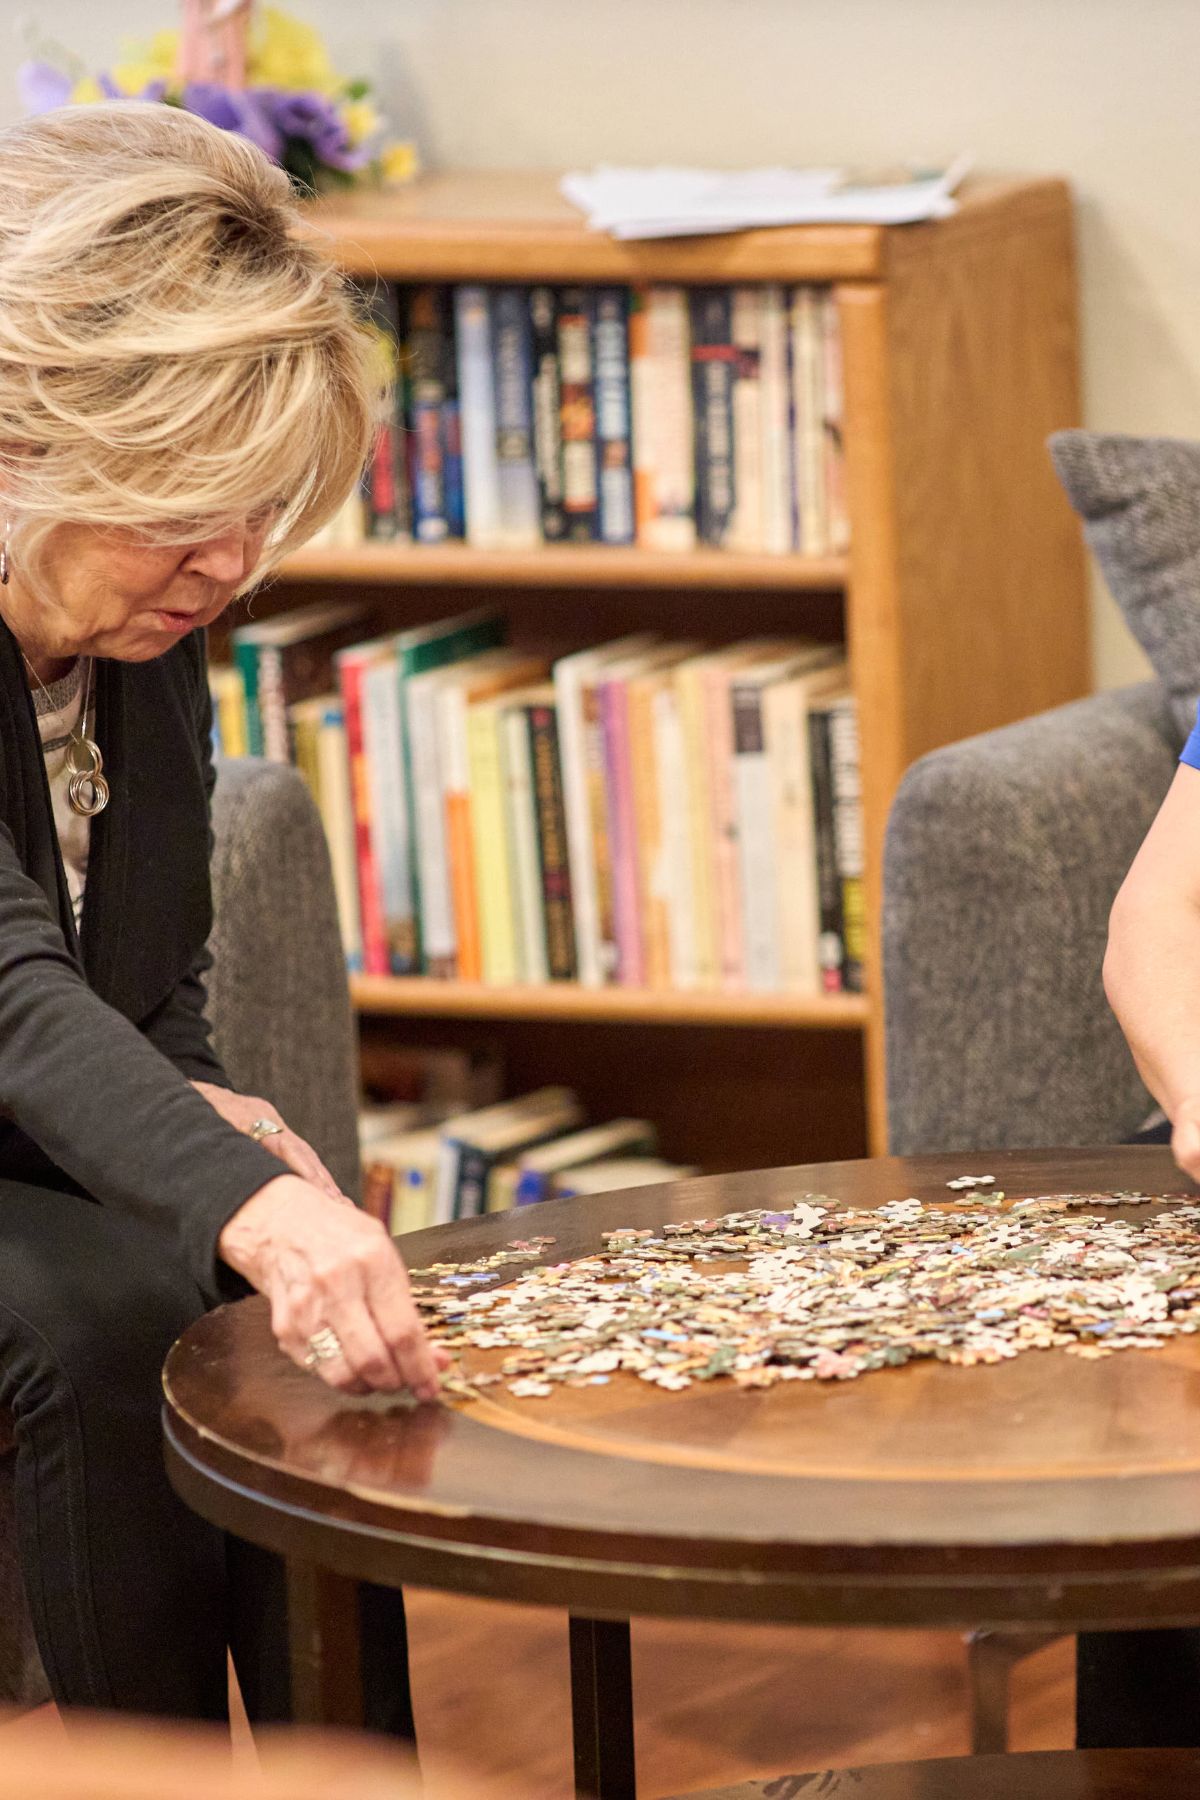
x=100 y=1032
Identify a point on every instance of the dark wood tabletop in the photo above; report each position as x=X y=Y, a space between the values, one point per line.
x=1047 y=1490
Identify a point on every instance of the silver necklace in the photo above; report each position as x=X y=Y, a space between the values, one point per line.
x=87 y=790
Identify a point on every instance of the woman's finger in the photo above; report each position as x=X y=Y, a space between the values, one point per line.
x=364 y=1351
x=390 y=1299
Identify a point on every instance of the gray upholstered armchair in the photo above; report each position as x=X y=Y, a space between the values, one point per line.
x=1003 y=855
x=283 y=1027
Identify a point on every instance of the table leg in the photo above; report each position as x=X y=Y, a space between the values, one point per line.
x=326 y=1656
x=602 y=1709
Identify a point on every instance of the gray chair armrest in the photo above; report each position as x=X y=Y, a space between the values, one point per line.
x=278 y=997
x=1003 y=855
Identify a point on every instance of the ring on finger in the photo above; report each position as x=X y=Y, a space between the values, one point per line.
x=259 y=1129
x=323 y=1346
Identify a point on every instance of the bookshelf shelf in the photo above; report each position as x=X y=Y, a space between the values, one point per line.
x=418 y=996
x=563 y=565
x=962 y=603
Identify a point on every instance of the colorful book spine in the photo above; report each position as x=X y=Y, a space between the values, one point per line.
x=460 y=845
x=452 y=449
x=723 y=827
x=756 y=848
x=521 y=802
x=351 y=667
x=383 y=742
x=491 y=845
x=778 y=483
x=337 y=815
x=846 y=780
x=512 y=359
x=689 y=684
x=552 y=842
x=576 y=374
x=676 y=847
x=747 y=527
x=477 y=401
x=547 y=412
x=607 y=956
x=663 y=429
x=648 y=810
x=429 y=347
x=831 y=943
x=245 y=659
x=385 y=484
x=622 y=831
x=714 y=359
x=438 y=945
x=614 y=450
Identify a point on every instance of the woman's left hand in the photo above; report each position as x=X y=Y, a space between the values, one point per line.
x=242 y=1110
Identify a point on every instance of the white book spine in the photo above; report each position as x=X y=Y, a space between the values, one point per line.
x=389 y=810
x=581 y=859
x=337 y=811
x=438 y=936
x=835 y=455
x=775 y=415
x=477 y=414
x=676 y=838
x=747 y=526
x=809 y=421
x=667 y=413
x=785 y=722
x=522 y=824
x=755 y=838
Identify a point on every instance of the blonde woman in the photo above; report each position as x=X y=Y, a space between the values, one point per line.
x=184 y=395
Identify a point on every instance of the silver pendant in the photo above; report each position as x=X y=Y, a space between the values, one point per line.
x=87 y=790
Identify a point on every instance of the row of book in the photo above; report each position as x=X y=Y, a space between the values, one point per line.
x=426 y=1163
x=645 y=812
x=658 y=415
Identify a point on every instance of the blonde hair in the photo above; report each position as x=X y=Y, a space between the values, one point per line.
x=171 y=356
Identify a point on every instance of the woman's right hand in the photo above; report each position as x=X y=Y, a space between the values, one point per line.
x=324 y=1264
x=1185 y=1137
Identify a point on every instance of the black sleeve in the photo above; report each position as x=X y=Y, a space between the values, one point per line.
x=179 y=1026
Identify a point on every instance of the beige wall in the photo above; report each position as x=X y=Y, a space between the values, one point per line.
x=1101 y=91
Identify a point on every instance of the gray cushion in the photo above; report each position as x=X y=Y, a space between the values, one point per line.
x=1139 y=499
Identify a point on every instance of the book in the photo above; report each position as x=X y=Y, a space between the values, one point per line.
x=403 y=1170
x=615 y=1173
x=785 y=722
x=747 y=525
x=352 y=665
x=228 y=690
x=529 y=912
x=475 y=679
x=808 y=412
x=754 y=807
x=512 y=367
x=477 y=414
x=837 y=499
x=473 y=1143
x=391 y=824
x=492 y=844
x=581 y=761
x=384 y=487
x=713 y=361
x=614 y=451
x=547 y=412
x=428 y=357
x=663 y=429
x=289 y=658
x=418 y=650
x=530 y=1178
x=831 y=941
x=697 y=802
x=675 y=835
x=551 y=834
x=775 y=397
x=337 y=815
x=652 y=802
x=846 y=780
x=578 y=412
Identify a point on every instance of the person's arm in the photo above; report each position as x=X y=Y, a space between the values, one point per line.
x=1152 y=964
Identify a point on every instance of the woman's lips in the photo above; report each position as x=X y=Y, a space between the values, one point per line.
x=176 y=621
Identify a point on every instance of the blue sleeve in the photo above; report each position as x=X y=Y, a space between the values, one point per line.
x=1190 y=753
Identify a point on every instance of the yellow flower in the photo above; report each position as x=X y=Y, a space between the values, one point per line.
x=285 y=53
x=361 y=119
x=86 y=92
x=145 y=63
x=399 y=163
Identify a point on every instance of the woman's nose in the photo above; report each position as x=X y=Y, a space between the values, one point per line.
x=227 y=558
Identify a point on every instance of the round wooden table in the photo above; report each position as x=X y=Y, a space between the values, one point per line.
x=1050 y=1491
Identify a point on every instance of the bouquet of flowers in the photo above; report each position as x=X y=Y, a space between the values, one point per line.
x=265 y=75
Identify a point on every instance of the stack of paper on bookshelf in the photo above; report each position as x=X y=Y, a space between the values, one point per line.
x=658 y=415
x=649 y=812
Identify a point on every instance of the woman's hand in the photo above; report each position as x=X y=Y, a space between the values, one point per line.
x=1185 y=1137
x=328 y=1266
x=242 y=1110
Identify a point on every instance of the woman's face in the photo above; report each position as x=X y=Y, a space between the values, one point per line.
x=113 y=594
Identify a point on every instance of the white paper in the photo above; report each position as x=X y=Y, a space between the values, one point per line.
x=678 y=202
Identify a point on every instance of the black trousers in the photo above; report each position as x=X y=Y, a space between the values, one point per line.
x=134 y=1598
x=1136 y=1688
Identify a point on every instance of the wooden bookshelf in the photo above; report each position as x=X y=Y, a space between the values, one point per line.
x=962 y=601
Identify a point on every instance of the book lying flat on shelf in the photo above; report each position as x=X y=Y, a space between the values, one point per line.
x=474 y=1143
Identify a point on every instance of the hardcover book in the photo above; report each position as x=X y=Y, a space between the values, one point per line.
x=714 y=359
x=512 y=362
x=477 y=413
x=577 y=378
x=663 y=428
x=614 y=451
x=547 y=412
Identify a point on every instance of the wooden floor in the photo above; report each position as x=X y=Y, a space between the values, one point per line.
x=713 y=1703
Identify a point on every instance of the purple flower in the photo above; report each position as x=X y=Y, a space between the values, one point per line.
x=43 y=87
x=153 y=90
x=234 y=110
x=313 y=118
